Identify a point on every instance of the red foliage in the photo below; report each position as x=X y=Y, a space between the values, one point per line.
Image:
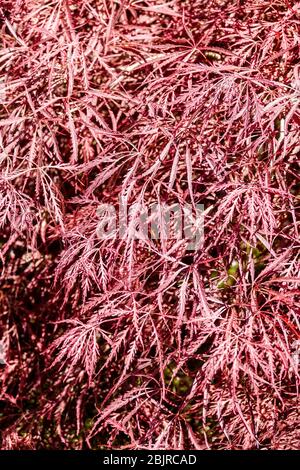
x=121 y=343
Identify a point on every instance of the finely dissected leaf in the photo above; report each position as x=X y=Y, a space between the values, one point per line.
x=135 y=339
